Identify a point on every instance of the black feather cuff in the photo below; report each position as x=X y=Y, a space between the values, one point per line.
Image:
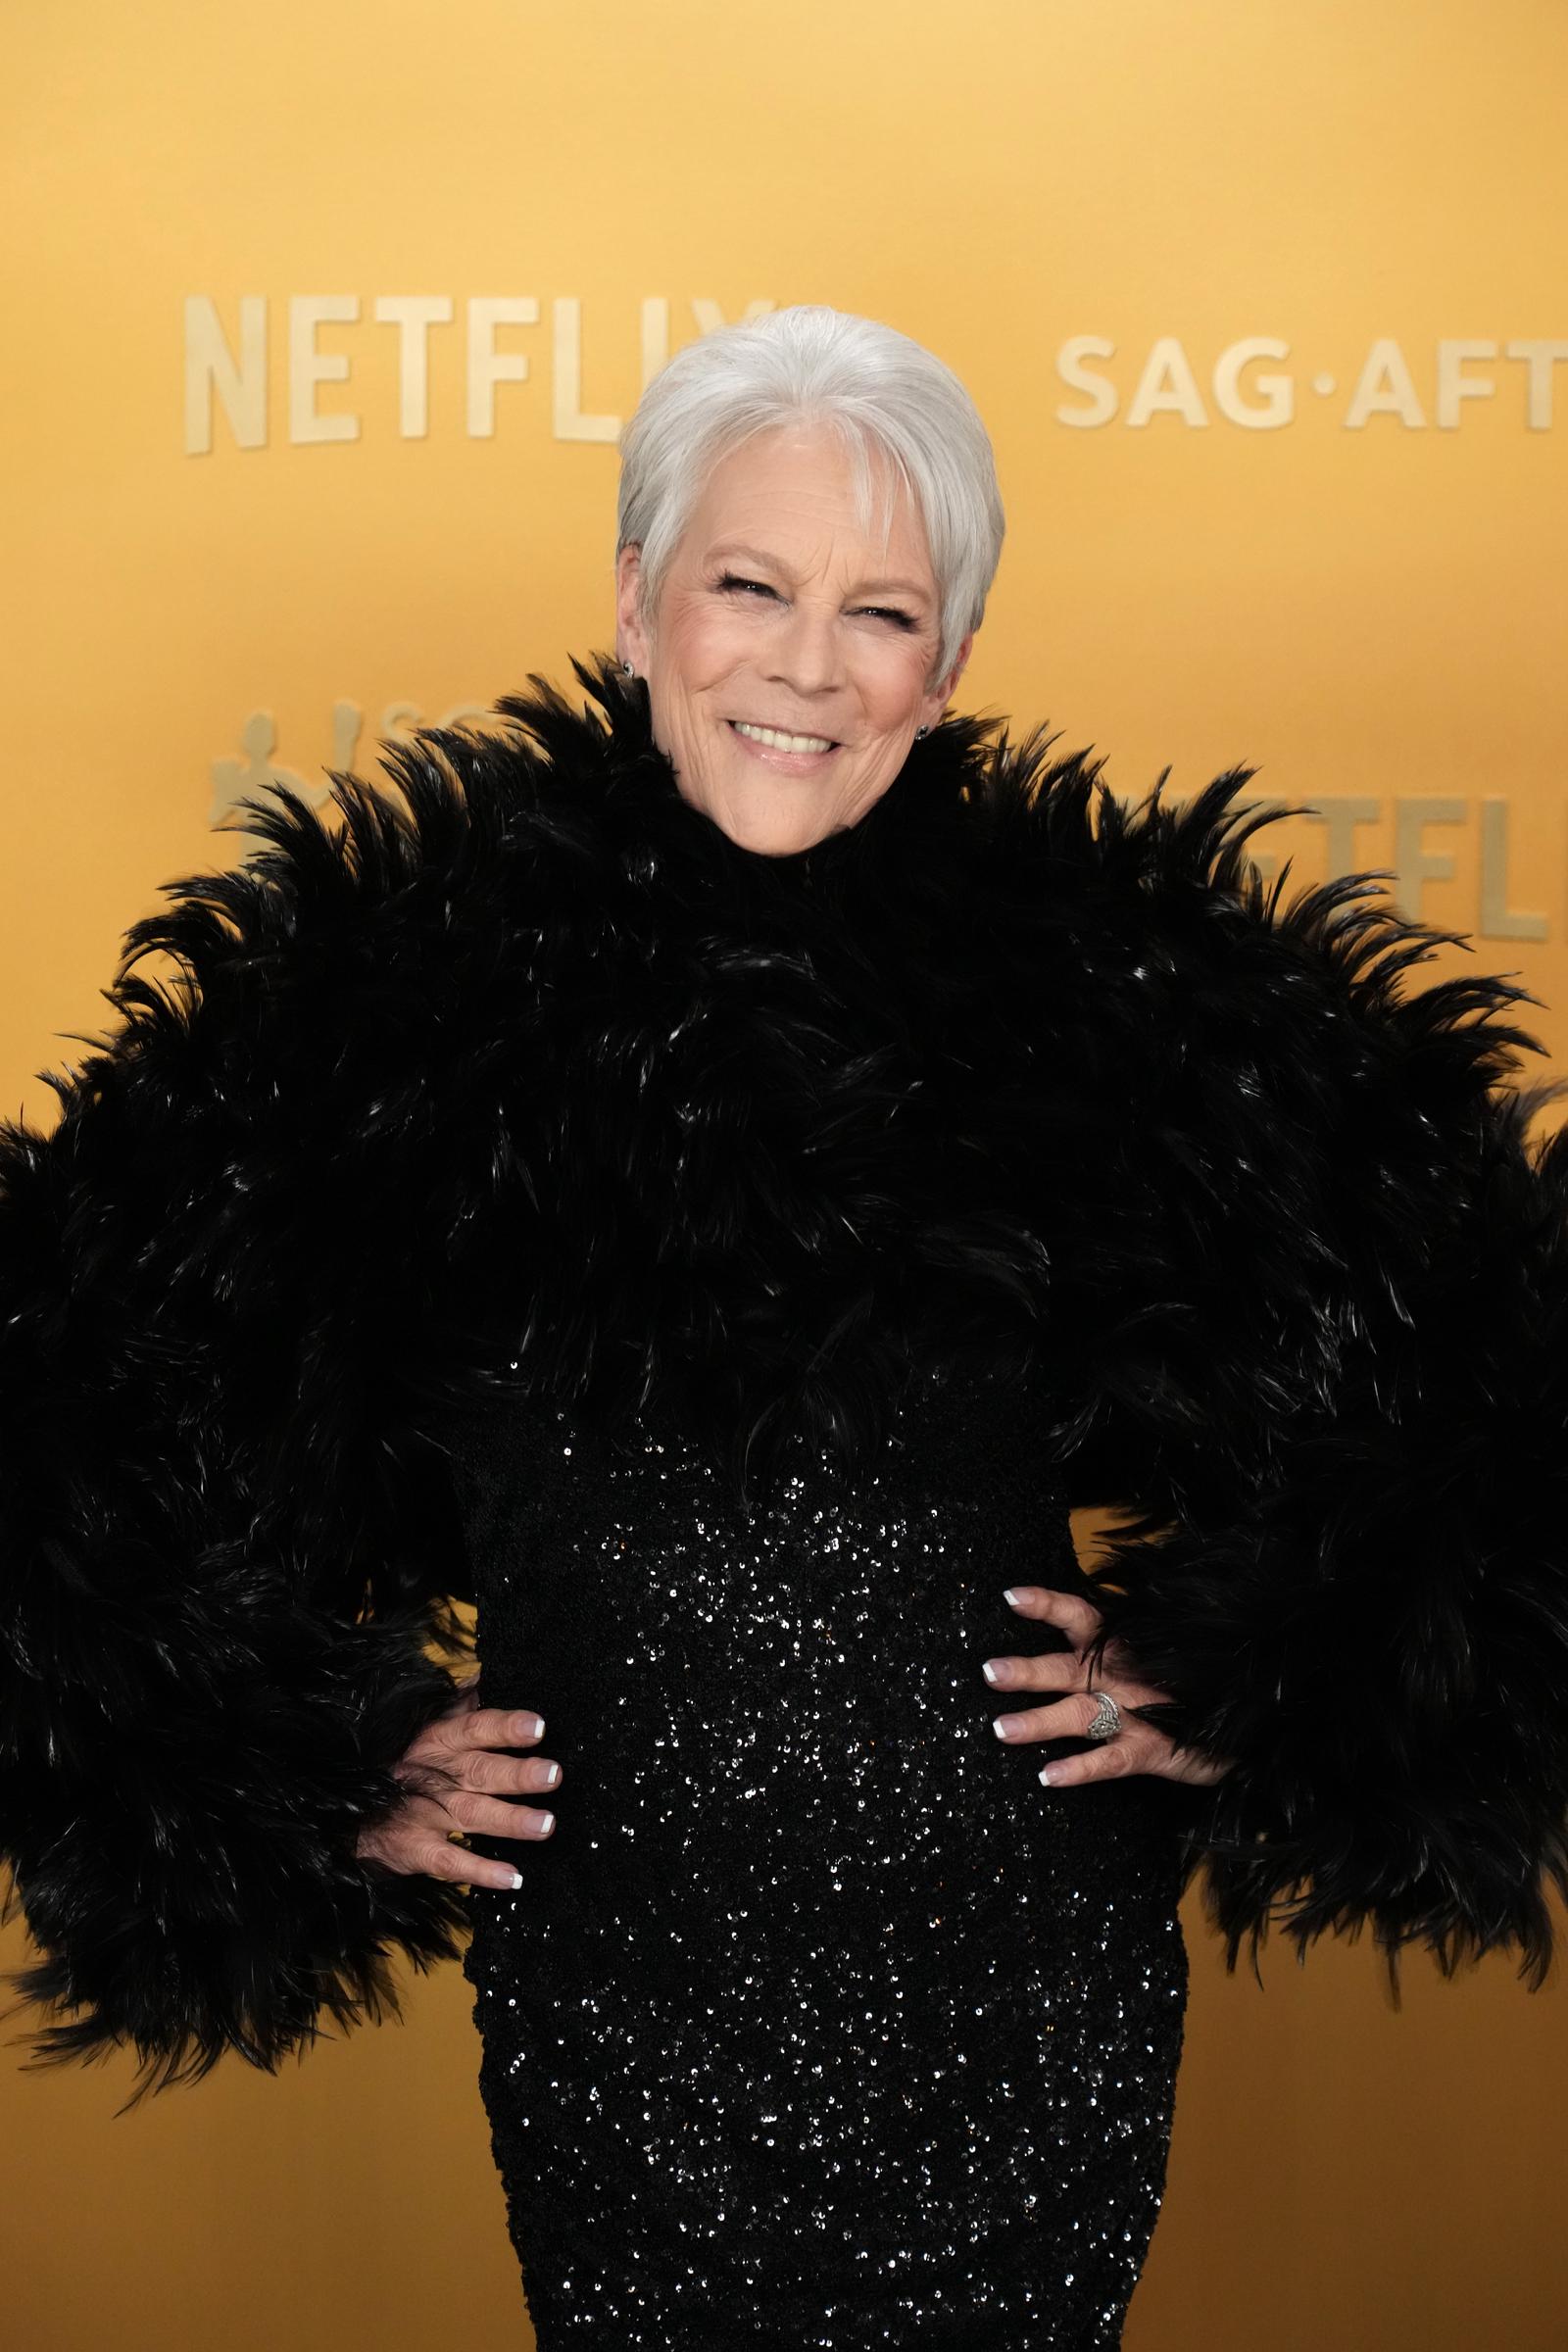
x=187 y=1861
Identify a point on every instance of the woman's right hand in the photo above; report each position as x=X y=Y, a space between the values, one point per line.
x=454 y=1773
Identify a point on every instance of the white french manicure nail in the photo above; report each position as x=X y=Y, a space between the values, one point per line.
x=516 y=1880
x=1013 y=1596
x=552 y=1776
x=989 y=1671
x=547 y=1822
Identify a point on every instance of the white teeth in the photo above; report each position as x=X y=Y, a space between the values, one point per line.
x=783 y=743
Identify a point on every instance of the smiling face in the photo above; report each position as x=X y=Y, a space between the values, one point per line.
x=778 y=614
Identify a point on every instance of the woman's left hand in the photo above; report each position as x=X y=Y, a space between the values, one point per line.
x=1136 y=1747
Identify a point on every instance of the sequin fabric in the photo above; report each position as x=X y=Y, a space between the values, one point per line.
x=817 y=2022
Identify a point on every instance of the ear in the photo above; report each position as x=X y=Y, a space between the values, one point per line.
x=631 y=638
x=936 y=701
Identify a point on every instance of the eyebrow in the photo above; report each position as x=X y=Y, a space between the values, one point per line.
x=756 y=555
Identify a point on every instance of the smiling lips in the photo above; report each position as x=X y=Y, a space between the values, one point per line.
x=777 y=739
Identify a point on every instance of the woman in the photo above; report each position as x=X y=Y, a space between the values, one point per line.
x=715 y=1180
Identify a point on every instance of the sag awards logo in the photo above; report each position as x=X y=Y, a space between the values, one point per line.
x=251 y=773
x=470 y=349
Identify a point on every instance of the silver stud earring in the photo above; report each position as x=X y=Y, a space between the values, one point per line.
x=919 y=731
x=627 y=668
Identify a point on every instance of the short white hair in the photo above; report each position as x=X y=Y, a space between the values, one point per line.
x=877 y=388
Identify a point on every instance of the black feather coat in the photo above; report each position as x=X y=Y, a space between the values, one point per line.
x=528 y=1075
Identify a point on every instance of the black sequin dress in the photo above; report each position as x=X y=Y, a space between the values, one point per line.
x=817 y=2020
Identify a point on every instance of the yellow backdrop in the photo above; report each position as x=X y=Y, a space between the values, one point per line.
x=321 y=323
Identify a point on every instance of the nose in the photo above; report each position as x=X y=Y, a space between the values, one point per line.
x=806 y=655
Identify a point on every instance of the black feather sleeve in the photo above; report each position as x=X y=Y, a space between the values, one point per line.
x=234 y=1289
x=1309 y=1310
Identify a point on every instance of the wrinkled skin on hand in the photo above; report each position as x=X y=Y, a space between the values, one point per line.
x=461 y=1779
x=1136 y=1747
